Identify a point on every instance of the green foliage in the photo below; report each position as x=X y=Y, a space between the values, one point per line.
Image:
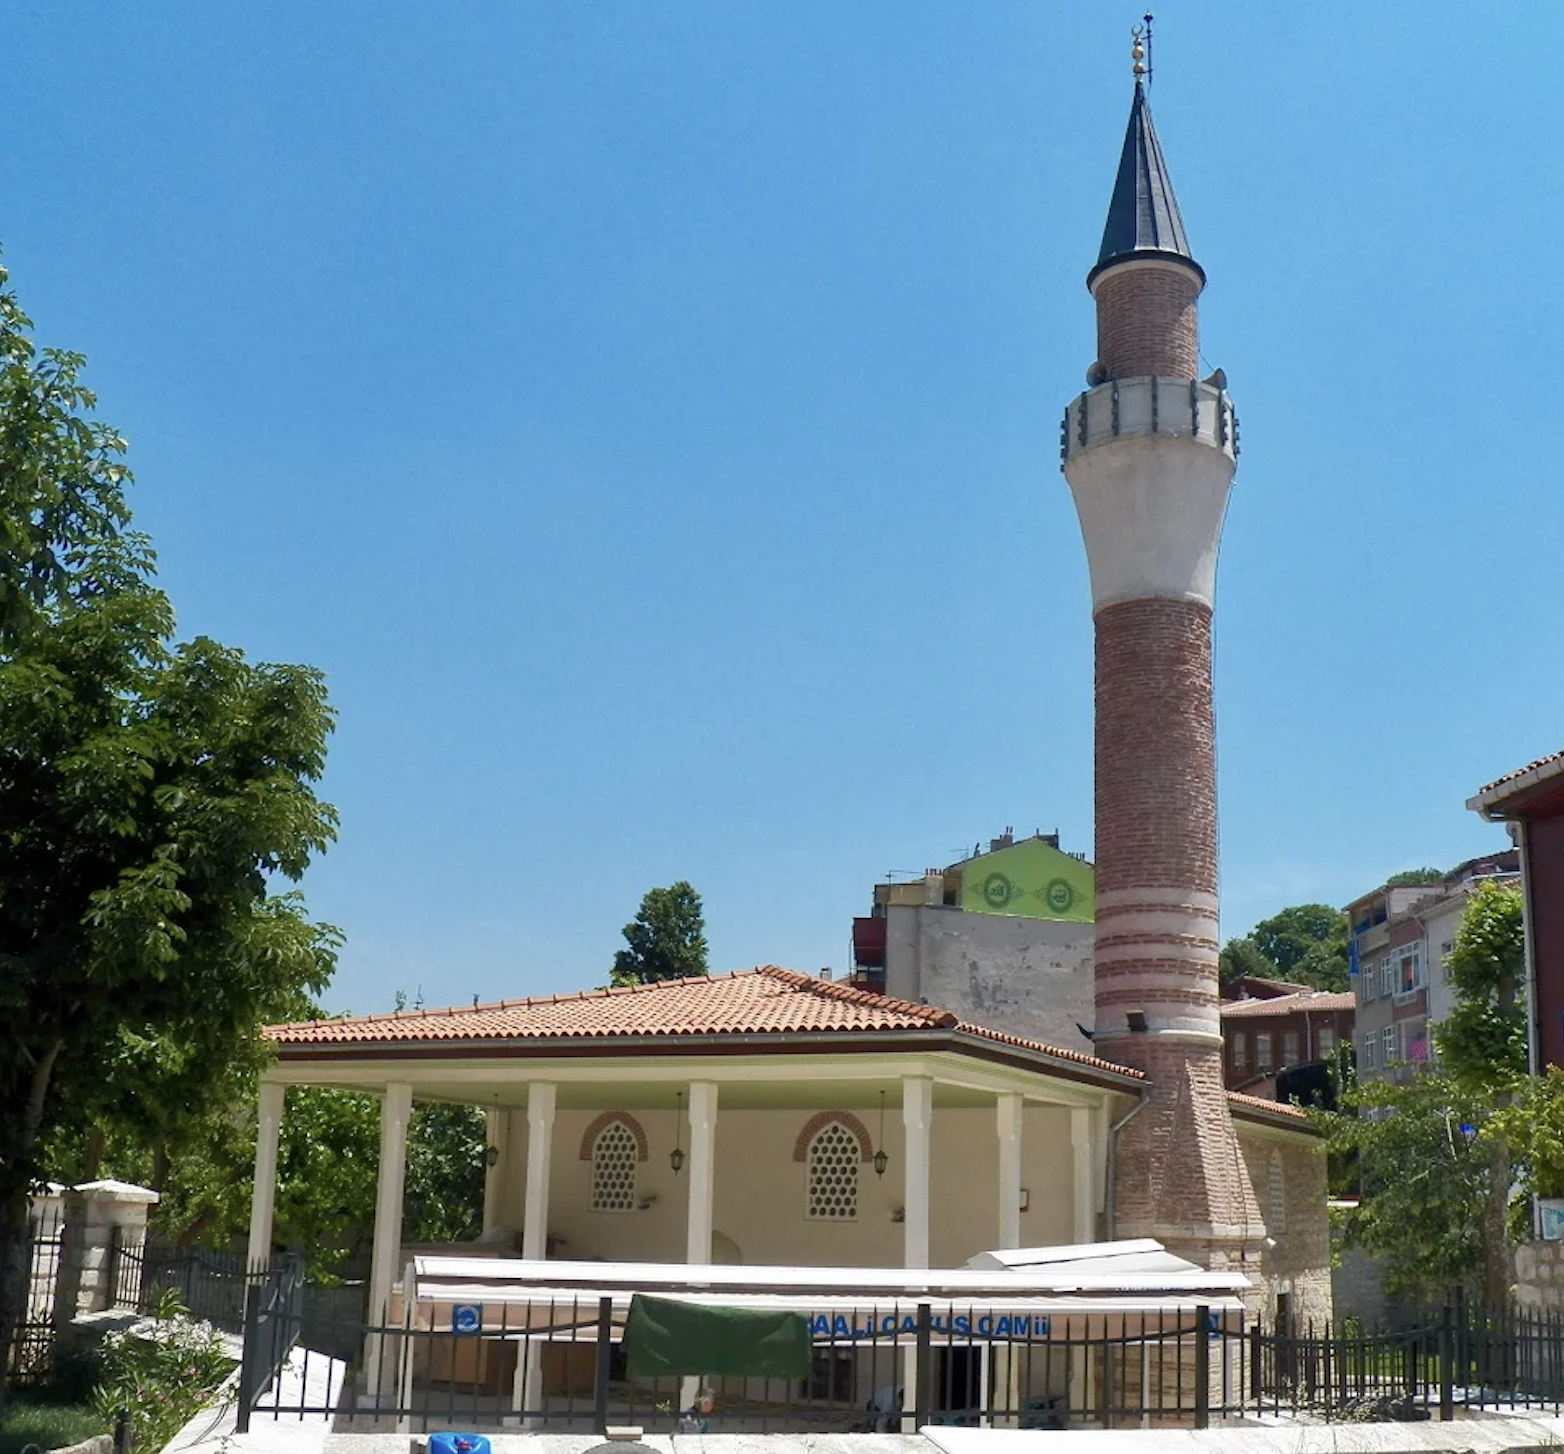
x=1533 y=1127
x=1307 y=944
x=666 y=939
x=151 y=794
x=1413 y=877
x=1416 y=1155
x=1482 y=1042
x=163 y=1373
x=49 y=1420
x=1241 y=959
x=445 y=1173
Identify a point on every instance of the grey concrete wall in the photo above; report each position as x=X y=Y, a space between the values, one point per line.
x=1539 y=1276
x=1029 y=977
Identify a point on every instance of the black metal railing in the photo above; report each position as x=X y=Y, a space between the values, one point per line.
x=557 y=1366
x=31 y=1356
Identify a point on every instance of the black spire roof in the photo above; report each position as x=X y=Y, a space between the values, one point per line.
x=1143 y=218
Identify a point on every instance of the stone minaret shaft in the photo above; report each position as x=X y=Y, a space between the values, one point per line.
x=1149 y=453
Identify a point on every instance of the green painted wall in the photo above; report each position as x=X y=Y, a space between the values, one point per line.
x=1030 y=880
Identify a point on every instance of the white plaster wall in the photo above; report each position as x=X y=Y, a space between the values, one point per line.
x=1440 y=928
x=759 y=1202
x=1029 y=977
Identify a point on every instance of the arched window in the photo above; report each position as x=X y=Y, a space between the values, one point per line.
x=615 y=1151
x=834 y=1157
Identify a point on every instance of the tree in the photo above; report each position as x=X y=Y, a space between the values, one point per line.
x=1482 y=1044
x=1414 y=877
x=1434 y=1157
x=1307 y=944
x=666 y=939
x=1241 y=959
x=1412 y=1152
x=150 y=796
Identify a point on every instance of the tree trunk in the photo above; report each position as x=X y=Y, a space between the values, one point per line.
x=15 y=1242
x=92 y=1158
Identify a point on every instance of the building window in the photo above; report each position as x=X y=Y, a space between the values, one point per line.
x=1416 y=1042
x=1262 y=1052
x=1369 y=1053
x=833 y=1174
x=1445 y=951
x=1387 y=977
x=1327 y=1041
x=1368 y=981
x=1290 y=1047
x=1406 y=969
x=830 y=1377
x=1238 y=1048
x=614 y=1154
x=1390 y=1045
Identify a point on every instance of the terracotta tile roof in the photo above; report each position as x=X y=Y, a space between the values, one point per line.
x=764 y=1001
x=1544 y=767
x=1280 y=1108
x=1323 y=1001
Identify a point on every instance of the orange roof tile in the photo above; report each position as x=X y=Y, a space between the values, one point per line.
x=1323 y=1001
x=764 y=1001
x=1281 y=1108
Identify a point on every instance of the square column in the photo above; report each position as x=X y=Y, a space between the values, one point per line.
x=702 y=1168
x=496 y=1131
x=396 y=1110
x=917 y=1115
x=1083 y=1190
x=1007 y=1122
x=541 y=1096
x=263 y=1197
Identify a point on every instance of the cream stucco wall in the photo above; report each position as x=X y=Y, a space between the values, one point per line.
x=759 y=1211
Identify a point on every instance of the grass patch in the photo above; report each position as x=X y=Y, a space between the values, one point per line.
x=38 y=1417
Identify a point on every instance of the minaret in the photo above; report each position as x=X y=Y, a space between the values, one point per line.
x=1149 y=451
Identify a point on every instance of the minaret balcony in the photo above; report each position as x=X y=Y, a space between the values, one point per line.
x=1139 y=408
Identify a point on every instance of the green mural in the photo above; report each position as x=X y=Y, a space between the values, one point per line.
x=1031 y=879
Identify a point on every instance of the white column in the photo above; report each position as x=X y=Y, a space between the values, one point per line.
x=917 y=1115
x=1083 y=1190
x=540 y=1146
x=263 y=1197
x=702 y=1169
x=497 y=1134
x=1007 y=1121
x=396 y=1108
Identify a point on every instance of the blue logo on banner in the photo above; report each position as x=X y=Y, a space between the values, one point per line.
x=467 y=1317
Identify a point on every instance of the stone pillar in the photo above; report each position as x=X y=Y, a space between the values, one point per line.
x=497 y=1173
x=1007 y=1122
x=541 y=1097
x=1083 y=1187
x=396 y=1109
x=263 y=1194
x=104 y=1220
x=702 y=1169
x=917 y=1115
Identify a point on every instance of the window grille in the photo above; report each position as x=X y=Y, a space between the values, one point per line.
x=1276 y=1212
x=613 y=1169
x=833 y=1174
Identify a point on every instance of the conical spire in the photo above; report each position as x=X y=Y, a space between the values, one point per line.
x=1143 y=218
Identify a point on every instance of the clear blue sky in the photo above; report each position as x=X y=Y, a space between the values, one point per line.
x=647 y=415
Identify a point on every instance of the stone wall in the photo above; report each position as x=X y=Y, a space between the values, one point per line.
x=1539 y=1276
x=1028 y=977
x=1287 y=1171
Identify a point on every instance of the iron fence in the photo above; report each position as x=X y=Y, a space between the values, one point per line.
x=31 y=1355
x=558 y=1366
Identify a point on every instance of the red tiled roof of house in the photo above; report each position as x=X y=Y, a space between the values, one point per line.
x=1323 y=1001
x=1520 y=772
x=1280 y=1108
x=764 y=1001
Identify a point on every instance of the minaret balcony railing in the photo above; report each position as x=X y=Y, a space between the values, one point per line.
x=1142 y=407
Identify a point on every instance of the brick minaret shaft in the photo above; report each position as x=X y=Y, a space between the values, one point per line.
x=1149 y=452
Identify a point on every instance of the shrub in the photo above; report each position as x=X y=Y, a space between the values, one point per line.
x=164 y=1372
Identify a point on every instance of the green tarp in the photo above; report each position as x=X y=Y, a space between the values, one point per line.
x=662 y=1337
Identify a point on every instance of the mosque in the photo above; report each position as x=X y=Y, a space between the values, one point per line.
x=769 y=1117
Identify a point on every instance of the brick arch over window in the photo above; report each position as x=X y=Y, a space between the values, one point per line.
x=599 y=1123
x=818 y=1122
